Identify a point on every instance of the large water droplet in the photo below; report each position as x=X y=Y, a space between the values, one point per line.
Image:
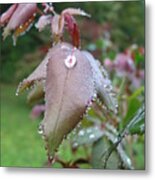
x=70 y=61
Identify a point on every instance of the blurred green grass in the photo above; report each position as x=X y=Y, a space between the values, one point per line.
x=21 y=145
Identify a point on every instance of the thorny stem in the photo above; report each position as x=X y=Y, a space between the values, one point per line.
x=109 y=151
x=121 y=135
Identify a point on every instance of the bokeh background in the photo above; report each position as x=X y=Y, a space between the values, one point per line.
x=114 y=31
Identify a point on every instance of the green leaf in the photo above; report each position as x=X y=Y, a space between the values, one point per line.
x=99 y=148
x=137 y=122
x=133 y=105
x=87 y=136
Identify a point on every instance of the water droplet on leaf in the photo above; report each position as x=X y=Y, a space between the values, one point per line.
x=70 y=61
x=41 y=129
x=91 y=136
x=17 y=94
x=75 y=145
x=81 y=133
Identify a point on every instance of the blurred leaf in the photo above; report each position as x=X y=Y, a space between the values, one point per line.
x=138 y=126
x=100 y=43
x=116 y=145
x=87 y=136
x=91 y=47
x=66 y=154
x=136 y=149
x=57 y=165
x=98 y=150
x=139 y=58
x=133 y=104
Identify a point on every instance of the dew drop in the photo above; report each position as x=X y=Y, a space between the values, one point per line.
x=70 y=61
x=41 y=129
x=105 y=86
x=79 y=125
x=88 y=108
x=128 y=161
x=75 y=145
x=81 y=133
x=95 y=96
x=17 y=93
x=74 y=132
x=91 y=136
x=50 y=159
x=116 y=110
x=116 y=106
x=34 y=14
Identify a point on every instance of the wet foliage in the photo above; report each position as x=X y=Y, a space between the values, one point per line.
x=91 y=98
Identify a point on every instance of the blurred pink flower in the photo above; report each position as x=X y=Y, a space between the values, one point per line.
x=108 y=64
x=124 y=64
x=37 y=110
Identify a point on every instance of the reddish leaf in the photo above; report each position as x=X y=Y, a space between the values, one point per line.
x=66 y=17
x=38 y=74
x=22 y=14
x=73 y=29
x=67 y=93
x=102 y=83
x=37 y=93
x=7 y=15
